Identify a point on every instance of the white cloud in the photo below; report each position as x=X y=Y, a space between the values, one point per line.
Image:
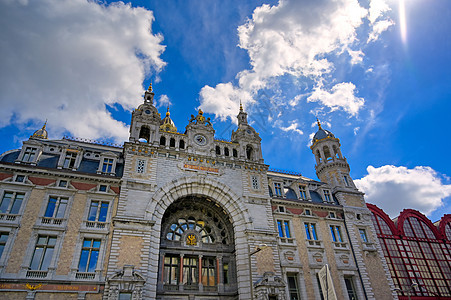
x=66 y=60
x=224 y=100
x=295 y=38
x=356 y=56
x=396 y=188
x=377 y=11
x=340 y=96
x=293 y=127
x=163 y=101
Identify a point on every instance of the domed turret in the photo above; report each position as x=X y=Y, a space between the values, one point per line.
x=167 y=124
x=41 y=133
x=321 y=134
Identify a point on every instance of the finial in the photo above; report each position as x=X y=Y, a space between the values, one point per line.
x=241 y=106
x=150 y=87
x=319 y=124
x=45 y=124
x=201 y=112
x=167 y=112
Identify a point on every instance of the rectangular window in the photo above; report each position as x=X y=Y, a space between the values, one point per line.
x=255 y=184
x=171 y=269
x=327 y=197
x=336 y=233
x=69 y=160
x=30 y=154
x=293 y=290
x=140 y=166
x=332 y=215
x=20 y=178
x=56 y=207
x=363 y=236
x=89 y=255
x=107 y=166
x=98 y=211
x=225 y=272
x=62 y=183
x=284 y=228
x=103 y=188
x=11 y=203
x=190 y=270
x=350 y=287
x=277 y=189
x=208 y=271
x=3 y=239
x=302 y=192
x=43 y=252
x=125 y=296
x=310 y=231
x=308 y=212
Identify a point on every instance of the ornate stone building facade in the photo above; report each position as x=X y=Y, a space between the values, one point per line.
x=170 y=215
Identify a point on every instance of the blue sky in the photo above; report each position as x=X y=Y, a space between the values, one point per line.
x=375 y=72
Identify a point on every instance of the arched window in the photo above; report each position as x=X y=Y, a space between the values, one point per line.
x=144 y=134
x=326 y=152
x=218 y=150
x=235 y=153
x=182 y=144
x=249 y=152
x=318 y=156
x=162 y=141
x=226 y=151
x=172 y=142
x=337 y=155
x=196 y=245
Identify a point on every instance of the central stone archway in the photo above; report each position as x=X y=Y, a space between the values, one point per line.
x=204 y=189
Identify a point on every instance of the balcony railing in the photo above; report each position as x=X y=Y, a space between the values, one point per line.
x=8 y=217
x=85 y=275
x=51 y=221
x=95 y=225
x=36 y=274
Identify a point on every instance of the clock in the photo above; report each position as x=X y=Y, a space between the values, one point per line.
x=147 y=111
x=249 y=131
x=200 y=139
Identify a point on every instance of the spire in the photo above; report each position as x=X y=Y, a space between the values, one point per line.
x=167 y=112
x=242 y=116
x=319 y=124
x=148 y=95
x=241 y=106
x=41 y=133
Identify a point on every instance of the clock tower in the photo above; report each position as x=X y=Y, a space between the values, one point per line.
x=200 y=135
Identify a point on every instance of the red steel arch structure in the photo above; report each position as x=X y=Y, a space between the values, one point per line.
x=418 y=253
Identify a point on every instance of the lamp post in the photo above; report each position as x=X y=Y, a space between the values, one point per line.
x=411 y=287
x=257 y=249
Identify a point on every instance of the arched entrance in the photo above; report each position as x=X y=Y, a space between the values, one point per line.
x=197 y=251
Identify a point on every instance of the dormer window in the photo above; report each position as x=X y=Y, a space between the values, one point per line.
x=278 y=189
x=307 y=212
x=20 y=178
x=69 y=160
x=281 y=209
x=302 y=192
x=332 y=215
x=103 y=188
x=29 y=154
x=327 y=197
x=107 y=165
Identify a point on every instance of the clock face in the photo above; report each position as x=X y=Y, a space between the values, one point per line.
x=200 y=139
x=147 y=111
x=249 y=131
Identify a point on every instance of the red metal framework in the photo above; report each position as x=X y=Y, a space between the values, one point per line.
x=417 y=253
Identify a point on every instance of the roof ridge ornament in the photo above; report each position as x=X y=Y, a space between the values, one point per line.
x=319 y=124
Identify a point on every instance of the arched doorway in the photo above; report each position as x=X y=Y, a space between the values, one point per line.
x=197 y=251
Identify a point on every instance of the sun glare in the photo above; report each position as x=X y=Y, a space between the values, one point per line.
x=402 y=21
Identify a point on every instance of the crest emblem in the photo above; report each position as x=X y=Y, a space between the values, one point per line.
x=191 y=240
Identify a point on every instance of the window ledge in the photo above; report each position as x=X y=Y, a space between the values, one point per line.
x=286 y=241
x=369 y=246
x=340 y=245
x=51 y=221
x=314 y=243
x=9 y=218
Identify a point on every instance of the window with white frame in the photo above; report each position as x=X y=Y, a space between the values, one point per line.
x=335 y=232
x=302 y=192
x=29 y=154
x=277 y=189
x=284 y=228
x=11 y=203
x=310 y=231
x=56 y=207
x=363 y=235
x=89 y=255
x=98 y=211
x=3 y=239
x=107 y=165
x=69 y=160
x=43 y=252
x=141 y=166
x=255 y=184
x=327 y=197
